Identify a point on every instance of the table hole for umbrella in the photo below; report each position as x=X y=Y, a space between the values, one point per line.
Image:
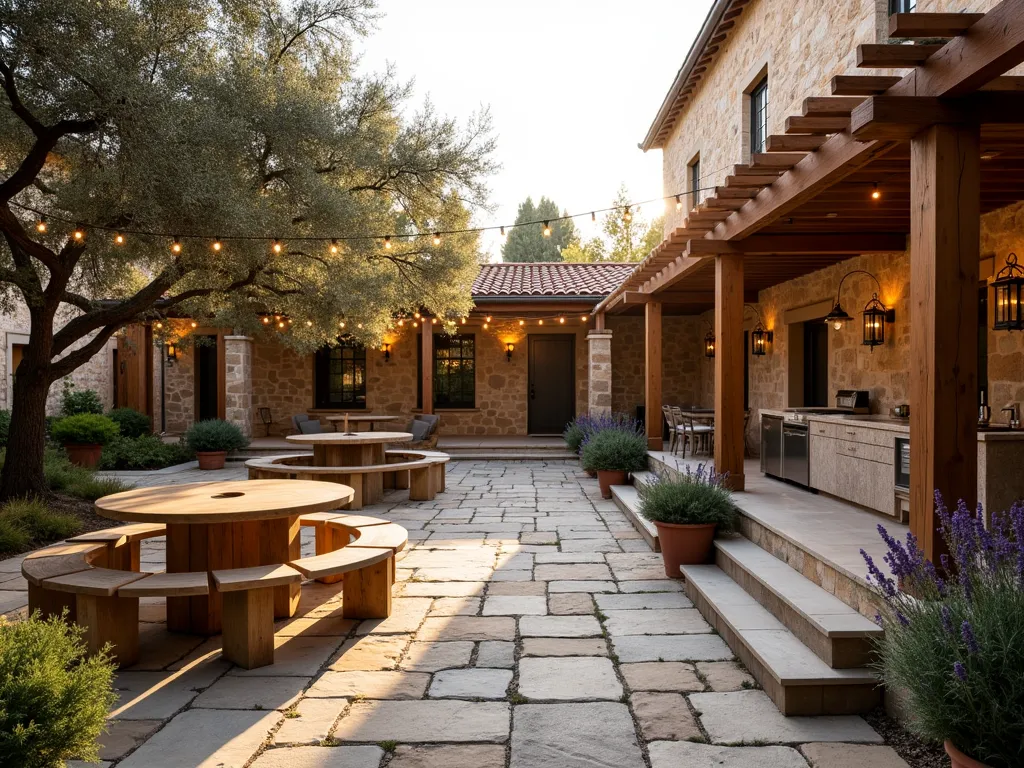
x=228 y=495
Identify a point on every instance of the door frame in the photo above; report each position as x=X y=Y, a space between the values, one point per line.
x=529 y=374
x=221 y=373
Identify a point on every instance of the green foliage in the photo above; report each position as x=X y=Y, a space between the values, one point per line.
x=527 y=243
x=621 y=240
x=40 y=522
x=77 y=401
x=132 y=422
x=64 y=477
x=215 y=435
x=84 y=429
x=146 y=452
x=574 y=435
x=615 y=450
x=5 y=426
x=13 y=537
x=695 y=499
x=53 y=700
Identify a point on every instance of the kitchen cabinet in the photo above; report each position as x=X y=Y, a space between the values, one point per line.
x=860 y=472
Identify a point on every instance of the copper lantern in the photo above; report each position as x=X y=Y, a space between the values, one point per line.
x=759 y=340
x=709 y=345
x=1007 y=291
x=875 y=315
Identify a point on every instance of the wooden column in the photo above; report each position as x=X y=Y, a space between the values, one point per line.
x=652 y=370
x=729 y=368
x=945 y=223
x=427 y=368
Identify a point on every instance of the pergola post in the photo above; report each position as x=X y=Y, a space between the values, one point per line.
x=729 y=436
x=652 y=371
x=427 y=366
x=945 y=223
x=599 y=373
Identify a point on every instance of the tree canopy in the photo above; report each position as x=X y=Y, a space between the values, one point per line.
x=528 y=243
x=228 y=120
x=622 y=239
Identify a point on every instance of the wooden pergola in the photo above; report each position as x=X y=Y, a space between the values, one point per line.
x=944 y=143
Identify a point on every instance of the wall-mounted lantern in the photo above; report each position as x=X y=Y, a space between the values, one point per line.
x=172 y=351
x=760 y=338
x=509 y=349
x=387 y=353
x=1008 y=293
x=709 y=344
x=876 y=314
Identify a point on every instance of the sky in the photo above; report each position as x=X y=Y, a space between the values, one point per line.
x=572 y=85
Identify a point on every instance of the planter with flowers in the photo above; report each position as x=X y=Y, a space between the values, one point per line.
x=212 y=439
x=579 y=431
x=613 y=454
x=954 y=635
x=83 y=437
x=688 y=512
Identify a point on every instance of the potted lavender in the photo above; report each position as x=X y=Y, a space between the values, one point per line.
x=957 y=646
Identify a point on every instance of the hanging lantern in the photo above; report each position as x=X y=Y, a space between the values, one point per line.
x=875 y=316
x=172 y=352
x=1007 y=291
x=709 y=344
x=759 y=340
x=838 y=316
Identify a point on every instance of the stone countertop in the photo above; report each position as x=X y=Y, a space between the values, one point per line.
x=891 y=424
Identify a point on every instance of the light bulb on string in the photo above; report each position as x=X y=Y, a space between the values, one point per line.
x=176 y=246
x=119 y=239
x=334 y=246
x=541 y=321
x=679 y=203
x=433 y=321
x=488 y=318
x=281 y=324
x=309 y=323
x=341 y=324
x=266 y=321
x=503 y=235
x=876 y=193
x=437 y=238
x=216 y=245
x=547 y=229
x=415 y=324
x=583 y=318
x=159 y=325
x=359 y=326
x=387 y=242
x=593 y=216
x=78 y=234
x=41 y=225
x=277 y=247
x=486 y=325
x=401 y=323
x=522 y=323
x=561 y=321
x=416 y=315
x=627 y=216
x=463 y=321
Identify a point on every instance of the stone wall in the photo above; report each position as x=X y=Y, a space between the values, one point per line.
x=238 y=407
x=803 y=44
x=179 y=391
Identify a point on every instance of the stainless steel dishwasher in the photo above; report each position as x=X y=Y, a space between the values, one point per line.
x=771 y=445
x=796 y=453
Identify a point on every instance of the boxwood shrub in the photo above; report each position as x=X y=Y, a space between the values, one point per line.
x=84 y=429
x=146 y=452
x=215 y=435
x=132 y=422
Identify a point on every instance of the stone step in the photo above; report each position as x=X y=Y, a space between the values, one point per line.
x=628 y=500
x=839 y=635
x=789 y=672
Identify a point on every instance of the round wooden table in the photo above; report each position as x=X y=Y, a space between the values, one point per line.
x=357 y=449
x=356 y=419
x=218 y=525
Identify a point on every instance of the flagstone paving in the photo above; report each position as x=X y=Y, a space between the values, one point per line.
x=532 y=628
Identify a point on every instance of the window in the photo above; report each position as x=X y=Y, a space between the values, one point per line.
x=695 y=182
x=759 y=117
x=902 y=6
x=341 y=376
x=454 y=371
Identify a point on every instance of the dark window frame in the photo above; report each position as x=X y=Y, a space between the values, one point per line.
x=759 y=117
x=902 y=6
x=695 y=182
x=342 y=356
x=454 y=374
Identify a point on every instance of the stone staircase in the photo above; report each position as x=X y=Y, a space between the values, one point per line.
x=806 y=647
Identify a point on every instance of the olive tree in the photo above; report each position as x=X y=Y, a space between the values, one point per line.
x=135 y=132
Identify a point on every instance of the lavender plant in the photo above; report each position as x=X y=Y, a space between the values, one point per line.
x=579 y=431
x=957 y=645
x=697 y=497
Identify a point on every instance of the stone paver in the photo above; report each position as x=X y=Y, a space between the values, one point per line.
x=725 y=676
x=597 y=735
x=123 y=736
x=468 y=628
x=559 y=626
x=568 y=679
x=430 y=657
x=310 y=722
x=651 y=600
x=657 y=621
x=424 y=721
x=565 y=646
x=470 y=684
x=509 y=605
x=671 y=648
x=449 y=756
x=321 y=757
x=496 y=653
x=252 y=693
x=664 y=716
x=676 y=754
x=852 y=756
x=371 y=653
x=371 y=685
x=661 y=676
x=565 y=604
x=751 y=717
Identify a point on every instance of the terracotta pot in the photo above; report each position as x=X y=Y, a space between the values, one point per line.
x=591 y=472
x=958 y=759
x=685 y=545
x=606 y=478
x=211 y=459
x=87 y=455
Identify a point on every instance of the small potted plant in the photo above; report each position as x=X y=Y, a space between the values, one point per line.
x=688 y=513
x=83 y=436
x=212 y=439
x=613 y=454
x=954 y=637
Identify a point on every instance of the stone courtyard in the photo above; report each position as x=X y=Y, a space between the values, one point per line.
x=532 y=628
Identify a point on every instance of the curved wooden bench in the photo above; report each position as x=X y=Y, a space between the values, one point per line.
x=369 y=576
x=124 y=543
x=58 y=560
x=248 y=600
x=437 y=461
x=189 y=584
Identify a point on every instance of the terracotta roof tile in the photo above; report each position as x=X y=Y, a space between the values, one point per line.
x=549 y=279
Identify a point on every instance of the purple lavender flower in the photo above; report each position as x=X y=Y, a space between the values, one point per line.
x=875 y=574
x=967 y=633
x=947 y=619
x=960 y=671
x=902 y=619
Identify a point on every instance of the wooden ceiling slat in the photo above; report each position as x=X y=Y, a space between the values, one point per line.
x=830 y=106
x=862 y=85
x=911 y=25
x=882 y=56
x=816 y=125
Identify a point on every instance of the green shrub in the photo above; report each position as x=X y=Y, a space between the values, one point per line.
x=13 y=537
x=76 y=401
x=5 y=427
x=146 y=452
x=215 y=435
x=42 y=523
x=615 y=450
x=64 y=477
x=574 y=435
x=84 y=429
x=53 y=700
x=132 y=422
x=697 y=498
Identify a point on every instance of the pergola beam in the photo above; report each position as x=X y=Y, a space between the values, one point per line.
x=900 y=118
x=846 y=243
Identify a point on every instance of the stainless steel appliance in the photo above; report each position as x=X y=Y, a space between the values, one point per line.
x=796 y=453
x=771 y=445
x=854 y=401
x=902 y=464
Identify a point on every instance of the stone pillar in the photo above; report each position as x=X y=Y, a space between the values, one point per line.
x=599 y=381
x=238 y=382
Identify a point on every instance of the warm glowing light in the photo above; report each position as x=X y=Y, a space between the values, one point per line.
x=485 y=326
x=503 y=235
x=119 y=238
x=437 y=238
x=159 y=326
x=41 y=226
x=281 y=324
x=401 y=323
x=679 y=203
x=489 y=318
x=216 y=245
x=415 y=324
x=875 y=193
x=561 y=320
x=277 y=246
x=522 y=322
x=309 y=323
x=266 y=321
x=359 y=325
x=416 y=315
x=463 y=321
x=433 y=321
x=584 y=318
x=78 y=234
x=341 y=324
x=195 y=324
x=541 y=321
x=627 y=216
x=334 y=246
x=547 y=229
x=176 y=246
x=387 y=242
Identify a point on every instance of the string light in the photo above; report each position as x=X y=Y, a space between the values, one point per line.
x=593 y=216
x=195 y=324
x=503 y=235
x=334 y=246
x=176 y=246
x=875 y=193
x=561 y=321
x=266 y=321
x=679 y=203
x=522 y=323
x=416 y=315
x=415 y=324
x=485 y=326
x=119 y=239
x=309 y=323
x=216 y=245
x=437 y=238
x=281 y=324
x=387 y=242
x=159 y=325
x=547 y=229
x=359 y=326
x=541 y=321
x=41 y=225
x=488 y=318
x=277 y=246
x=584 y=318
x=78 y=234
x=341 y=324
x=627 y=216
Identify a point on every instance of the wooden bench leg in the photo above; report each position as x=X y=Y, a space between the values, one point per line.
x=421 y=484
x=248 y=639
x=402 y=480
x=438 y=477
x=127 y=557
x=323 y=538
x=367 y=591
x=113 y=620
x=337 y=537
x=50 y=602
x=389 y=480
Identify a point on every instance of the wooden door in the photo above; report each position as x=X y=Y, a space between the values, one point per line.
x=552 y=383
x=133 y=372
